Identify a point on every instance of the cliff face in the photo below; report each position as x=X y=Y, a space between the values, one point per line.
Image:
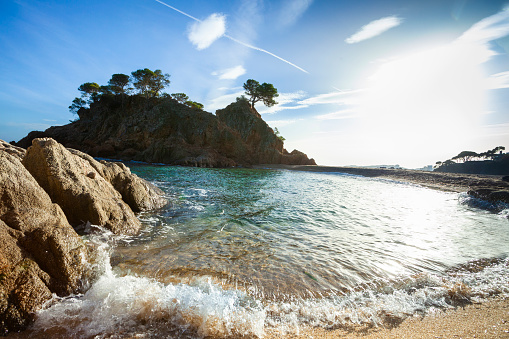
x=164 y=131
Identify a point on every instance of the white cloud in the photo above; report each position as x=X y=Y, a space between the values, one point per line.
x=499 y=80
x=292 y=11
x=203 y=33
x=230 y=73
x=284 y=99
x=374 y=28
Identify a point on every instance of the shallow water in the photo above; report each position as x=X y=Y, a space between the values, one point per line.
x=240 y=251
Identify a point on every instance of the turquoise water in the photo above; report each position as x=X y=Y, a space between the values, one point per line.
x=239 y=252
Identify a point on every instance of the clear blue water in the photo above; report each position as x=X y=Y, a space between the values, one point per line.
x=242 y=252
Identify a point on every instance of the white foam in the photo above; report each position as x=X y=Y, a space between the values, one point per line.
x=129 y=304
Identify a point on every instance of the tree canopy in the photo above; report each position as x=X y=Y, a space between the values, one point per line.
x=143 y=81
x=180 y=97
x=264 y=92
x=118 y=83
x=150 y=83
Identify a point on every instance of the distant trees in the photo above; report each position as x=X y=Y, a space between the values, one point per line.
x=466 y=156
x=144 y=82
x=264 y=92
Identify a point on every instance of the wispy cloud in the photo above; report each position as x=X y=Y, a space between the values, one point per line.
x=339 y=115
x=230 y=73
x=292 y=11
x=480 y=34
x=217 y=23
x=203 y=33
x=498 y=81
x=374 y=28
x=349 y=97
x=285 y=101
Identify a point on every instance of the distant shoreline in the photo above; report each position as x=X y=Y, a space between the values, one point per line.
x=450 y=182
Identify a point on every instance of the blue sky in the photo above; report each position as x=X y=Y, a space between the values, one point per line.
x=360 y=82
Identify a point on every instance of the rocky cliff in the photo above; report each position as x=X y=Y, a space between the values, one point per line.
x=161 y=130
x=44 y=192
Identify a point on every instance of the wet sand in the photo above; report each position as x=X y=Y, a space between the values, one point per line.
x=453 y=182
x=485 y=320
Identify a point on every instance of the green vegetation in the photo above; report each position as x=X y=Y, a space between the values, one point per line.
x=143 y=82
x=278 y=134
x=149 y=83
x=264 y=92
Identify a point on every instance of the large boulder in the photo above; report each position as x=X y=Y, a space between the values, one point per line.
x=81 y=191
x=40 y=253
x=139 y=194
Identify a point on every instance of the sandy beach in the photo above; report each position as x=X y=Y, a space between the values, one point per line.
x=479 y=320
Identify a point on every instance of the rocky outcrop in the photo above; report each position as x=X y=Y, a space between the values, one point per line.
x=81 y=191
x=492 y=195
x=139 y=194
x=40 y=253
x=262 y=144
x=161 y=130
x=44 y=191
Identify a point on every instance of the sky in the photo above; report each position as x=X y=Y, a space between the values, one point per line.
x=363 y=82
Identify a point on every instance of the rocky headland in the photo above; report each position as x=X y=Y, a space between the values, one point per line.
x=46 y=192
x=162 y=130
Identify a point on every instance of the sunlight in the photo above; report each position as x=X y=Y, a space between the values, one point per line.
x=425 y=102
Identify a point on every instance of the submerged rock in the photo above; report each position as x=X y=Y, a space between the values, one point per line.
x=83 y=197
x=40 y=253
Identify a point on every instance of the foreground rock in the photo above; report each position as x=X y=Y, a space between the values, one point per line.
x=40 y=197
x=83 y=194
x=40 y=253
x=161 y=130
x=139 y=194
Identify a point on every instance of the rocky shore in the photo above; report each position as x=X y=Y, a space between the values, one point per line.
x=46 y=192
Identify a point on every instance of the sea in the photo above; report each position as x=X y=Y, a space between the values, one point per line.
x=240 y=253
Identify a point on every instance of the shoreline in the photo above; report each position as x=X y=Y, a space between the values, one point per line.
x=489 y=319
x=451 y=182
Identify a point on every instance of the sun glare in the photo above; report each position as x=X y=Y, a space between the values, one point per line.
x=424 y=102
